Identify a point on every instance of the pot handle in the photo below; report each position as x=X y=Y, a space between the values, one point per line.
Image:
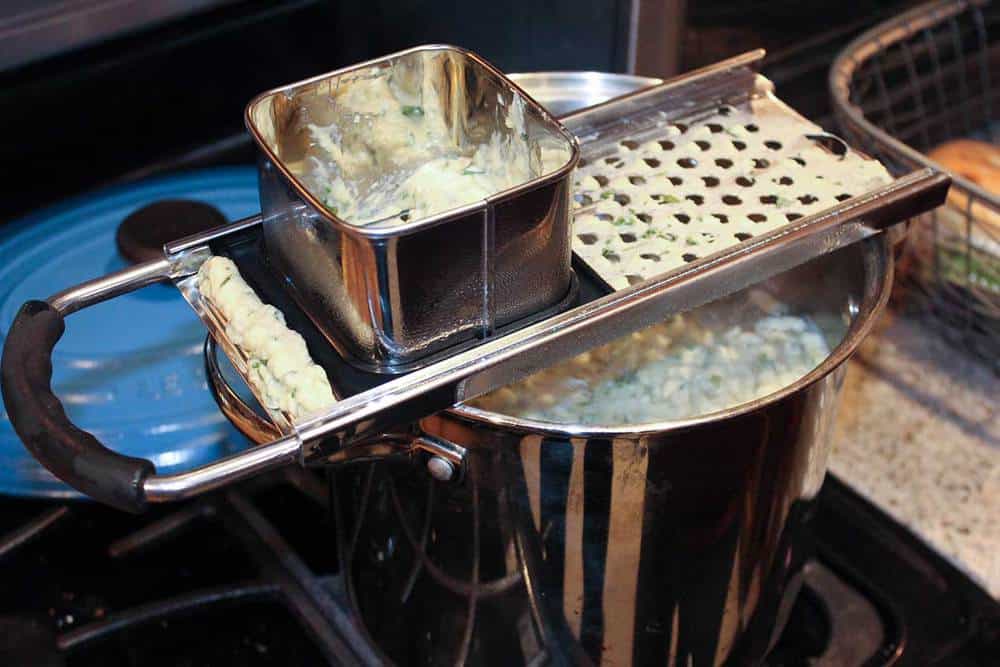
x=76 y=456
x=72 y=454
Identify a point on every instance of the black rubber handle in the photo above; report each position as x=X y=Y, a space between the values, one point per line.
x=70 y=453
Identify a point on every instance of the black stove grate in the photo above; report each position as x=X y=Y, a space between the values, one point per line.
x=213 y=583
x=251 y=577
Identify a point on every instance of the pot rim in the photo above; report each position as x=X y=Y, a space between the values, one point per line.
x=878 y=285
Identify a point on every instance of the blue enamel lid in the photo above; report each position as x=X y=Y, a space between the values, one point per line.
x=129 y=370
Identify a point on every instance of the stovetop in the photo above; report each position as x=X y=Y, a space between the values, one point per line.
x=250 y=576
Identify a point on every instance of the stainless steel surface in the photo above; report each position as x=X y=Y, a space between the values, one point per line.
x=898 y=90
x=246 y=464
x=677 y=541
x=184 y=247
x=733 y=77
x=246 y=419
x=441 y=448
x=563 y=92
x=440 y=469
x=109 y=286
x=388 y=297
x=440 y=455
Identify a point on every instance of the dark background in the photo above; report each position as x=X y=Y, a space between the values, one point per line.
x=173 y=95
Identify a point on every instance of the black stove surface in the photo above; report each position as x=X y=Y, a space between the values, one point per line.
x=208 y=583
x=249 y=576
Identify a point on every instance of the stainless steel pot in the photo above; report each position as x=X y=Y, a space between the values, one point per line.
x=668 y=541
x=673 y=543
x=677 y=542
x=563 y=92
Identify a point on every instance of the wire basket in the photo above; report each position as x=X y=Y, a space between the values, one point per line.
x=902 y=88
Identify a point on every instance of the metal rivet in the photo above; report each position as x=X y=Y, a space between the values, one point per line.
x=440 y=469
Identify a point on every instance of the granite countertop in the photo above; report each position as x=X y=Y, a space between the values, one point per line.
x=918 y=432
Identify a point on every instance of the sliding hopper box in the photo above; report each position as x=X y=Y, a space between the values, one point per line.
x=394 y=296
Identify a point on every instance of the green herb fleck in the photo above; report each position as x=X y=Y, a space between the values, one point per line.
x=255 y=364
x=782 y=202
x=608 y=253
x=607 y=195
x=413 y=111
x=667 y=199
x=228 y=278
x=691 y=241
x=623 y=222
x=716 y=380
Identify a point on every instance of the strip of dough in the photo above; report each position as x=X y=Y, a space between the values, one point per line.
x=281 y=370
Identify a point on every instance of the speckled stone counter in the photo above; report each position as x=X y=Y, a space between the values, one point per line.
x=919 y=433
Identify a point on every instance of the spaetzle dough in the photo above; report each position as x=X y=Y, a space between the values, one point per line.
x=675 y=370
x=282 y=372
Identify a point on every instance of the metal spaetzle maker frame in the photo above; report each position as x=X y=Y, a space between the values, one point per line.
x=372 y=403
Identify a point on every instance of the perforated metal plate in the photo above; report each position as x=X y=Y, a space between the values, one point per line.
x=674 y=190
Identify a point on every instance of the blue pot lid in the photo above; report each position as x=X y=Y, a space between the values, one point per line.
x=129 y=370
